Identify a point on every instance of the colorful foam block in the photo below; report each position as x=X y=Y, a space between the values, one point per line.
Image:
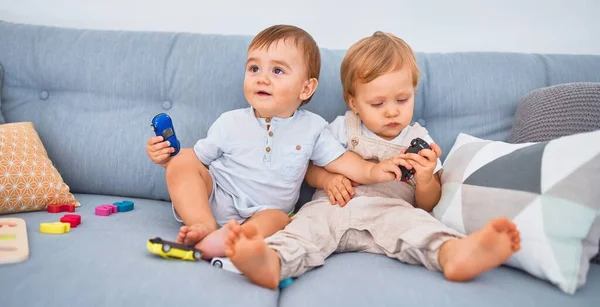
x=286 y=282
x=73 y=219
x=106 y=210
x=55 y=228
x=124 y=206
x=57 y=208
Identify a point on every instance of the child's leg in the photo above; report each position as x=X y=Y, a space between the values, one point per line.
x=190 y=184
x=485 y=249
x=302 y=245
x=266 y=223
x=414 y=236
x=250 y=254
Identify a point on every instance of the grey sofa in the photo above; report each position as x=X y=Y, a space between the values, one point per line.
x=91 y=96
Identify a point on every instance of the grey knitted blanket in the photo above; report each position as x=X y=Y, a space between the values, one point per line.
x=556 y=111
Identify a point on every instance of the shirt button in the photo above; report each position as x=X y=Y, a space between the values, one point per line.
x=270 y=133
x=298 y=147
x=268 y=149
x=268 y=120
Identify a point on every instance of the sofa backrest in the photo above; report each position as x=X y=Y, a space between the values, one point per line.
x=91 y=94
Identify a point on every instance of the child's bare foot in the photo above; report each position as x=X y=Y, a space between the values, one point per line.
x=247 y=250
x=491 y=246
x=190 y=235
x=213 y=245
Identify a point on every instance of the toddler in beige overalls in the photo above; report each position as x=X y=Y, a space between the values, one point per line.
x=380 y=219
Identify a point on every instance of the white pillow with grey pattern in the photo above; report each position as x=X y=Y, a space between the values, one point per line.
x=555 y=111
x=551 y=196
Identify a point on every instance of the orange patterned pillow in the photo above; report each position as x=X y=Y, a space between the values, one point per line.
x=28 y=179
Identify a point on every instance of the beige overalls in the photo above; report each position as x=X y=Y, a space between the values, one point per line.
x=380 y=219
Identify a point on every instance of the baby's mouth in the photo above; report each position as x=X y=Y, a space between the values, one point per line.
x=263 y=93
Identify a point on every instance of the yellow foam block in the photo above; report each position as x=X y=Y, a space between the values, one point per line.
x=55 y=228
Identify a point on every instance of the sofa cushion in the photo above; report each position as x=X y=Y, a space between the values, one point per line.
x=551 y=112
x=555 y=111
x=104 y=262
x=357 y=279
x=97 y=84
x=102 y=88
x=568 y=68
x=28 y=179
x=476 y=93
x=549 y=189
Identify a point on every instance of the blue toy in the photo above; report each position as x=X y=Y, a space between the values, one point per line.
x=286 y=282
x=163 y=126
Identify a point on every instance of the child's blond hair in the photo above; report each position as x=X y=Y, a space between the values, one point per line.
x=374 y=56
x=300 y=38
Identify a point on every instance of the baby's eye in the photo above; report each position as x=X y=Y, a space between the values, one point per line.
x=376 y=105
x=402 y=100
x=278 y=71
x=253 y=68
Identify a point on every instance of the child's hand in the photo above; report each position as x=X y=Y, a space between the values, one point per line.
x=389 y=169
x=159 y=151
x=339 y=189
x=424 y=163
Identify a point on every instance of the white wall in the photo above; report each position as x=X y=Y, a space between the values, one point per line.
x=550 y=26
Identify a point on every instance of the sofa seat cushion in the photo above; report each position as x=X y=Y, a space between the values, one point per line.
x=104 y=262
x=355 y=279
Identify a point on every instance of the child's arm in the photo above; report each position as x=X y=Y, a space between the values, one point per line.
x=357 y=169
x=316 y=176
x=427 y=195
x=330 y=152
x=338 y=187
x=210 y=148
x=207 y=149
x=428 y=189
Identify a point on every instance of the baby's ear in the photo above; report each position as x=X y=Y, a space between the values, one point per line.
x=309 y=88
x=352 y=104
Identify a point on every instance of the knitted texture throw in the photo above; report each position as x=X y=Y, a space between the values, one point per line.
x=560 y=110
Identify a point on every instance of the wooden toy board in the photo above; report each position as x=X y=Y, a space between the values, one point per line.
x=14 y=246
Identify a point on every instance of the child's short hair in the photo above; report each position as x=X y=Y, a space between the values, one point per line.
x=300 y=38
x=374 y=56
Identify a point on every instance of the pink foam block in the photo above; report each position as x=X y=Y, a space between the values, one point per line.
x=106 y=209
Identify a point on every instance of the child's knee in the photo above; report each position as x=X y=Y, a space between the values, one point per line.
x=281 y=217
x=185 y=159
x=186 y=162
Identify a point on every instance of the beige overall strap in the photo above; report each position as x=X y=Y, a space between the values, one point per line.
x=366 y=147
x=414 y=131
x=353 y=124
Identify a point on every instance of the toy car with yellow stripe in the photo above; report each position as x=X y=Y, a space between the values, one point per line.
x=167 y=249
